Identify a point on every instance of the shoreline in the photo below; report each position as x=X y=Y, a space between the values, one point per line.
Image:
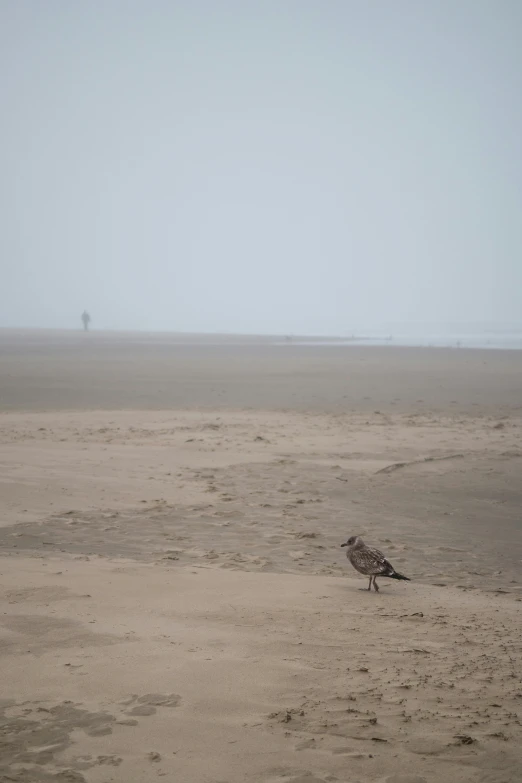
x=487 y=341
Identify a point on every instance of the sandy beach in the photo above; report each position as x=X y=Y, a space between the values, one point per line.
x=175 y=602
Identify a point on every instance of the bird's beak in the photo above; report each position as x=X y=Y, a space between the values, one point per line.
x=345 y=543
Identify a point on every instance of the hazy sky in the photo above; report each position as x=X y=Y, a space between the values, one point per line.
x=260 y=165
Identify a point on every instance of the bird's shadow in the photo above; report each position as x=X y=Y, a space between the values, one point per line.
x=373 y=592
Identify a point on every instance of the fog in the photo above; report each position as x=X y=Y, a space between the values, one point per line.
x=260 y=166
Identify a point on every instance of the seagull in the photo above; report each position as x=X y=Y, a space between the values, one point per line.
x=370 y=561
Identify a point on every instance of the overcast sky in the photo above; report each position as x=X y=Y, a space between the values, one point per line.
x=306 y=166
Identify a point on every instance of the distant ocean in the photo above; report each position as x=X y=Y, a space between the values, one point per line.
x=511 y=340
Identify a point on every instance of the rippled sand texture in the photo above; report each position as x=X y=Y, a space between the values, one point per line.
x=175 y=602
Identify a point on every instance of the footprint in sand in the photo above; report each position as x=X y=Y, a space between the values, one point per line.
x=146 y=705
x=310 y=744
x=426 y=747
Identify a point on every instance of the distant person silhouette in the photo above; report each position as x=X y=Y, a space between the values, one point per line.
x=86 y=318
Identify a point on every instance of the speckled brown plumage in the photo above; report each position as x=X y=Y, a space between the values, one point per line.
x=370 y=561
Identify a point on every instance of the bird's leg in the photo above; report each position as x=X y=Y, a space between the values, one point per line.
x=375 y=584
x=370 y=585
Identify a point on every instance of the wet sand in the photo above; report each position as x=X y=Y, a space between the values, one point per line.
x=111 y=371
x=175 y=601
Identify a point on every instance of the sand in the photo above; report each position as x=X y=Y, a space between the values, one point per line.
x=175 y=602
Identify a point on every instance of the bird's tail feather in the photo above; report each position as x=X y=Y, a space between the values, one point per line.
x=395 y=575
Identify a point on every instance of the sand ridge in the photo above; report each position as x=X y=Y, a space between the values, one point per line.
x=268 y=491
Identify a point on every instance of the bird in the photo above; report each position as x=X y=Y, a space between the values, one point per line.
x=370 y=561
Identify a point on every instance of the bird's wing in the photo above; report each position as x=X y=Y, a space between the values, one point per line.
x=376 y=559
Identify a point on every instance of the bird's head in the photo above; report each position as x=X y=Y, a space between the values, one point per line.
x=352 y=541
